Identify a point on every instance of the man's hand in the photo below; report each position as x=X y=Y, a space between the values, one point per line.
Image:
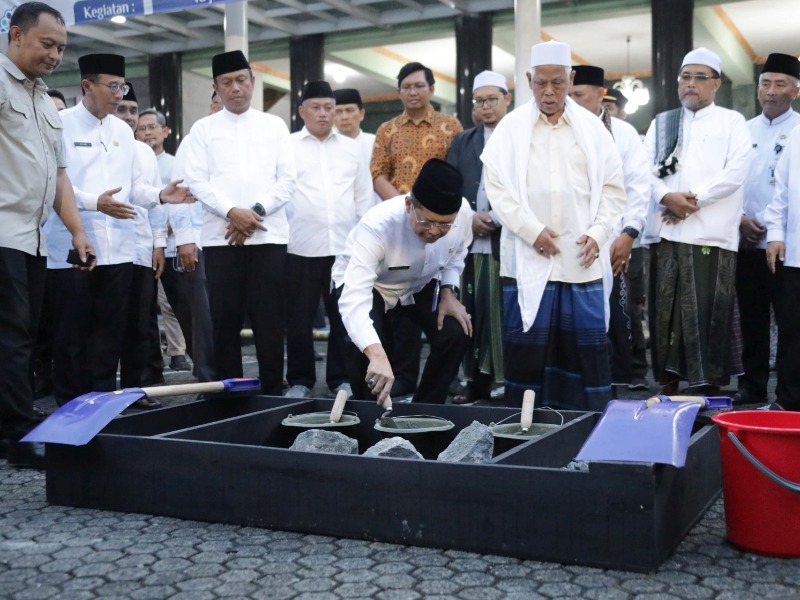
x=119 y=210
x=158 y=262
x=680 y=204
x=545 y=244
x=450 y=306
x=173 y=194
x=235 y=237
x=751 y=231
x=82 y=244
x=775 y=250
x=589 y=251
x=245 y=221
x=187 y=255
x=379 y=372
x=482 y=225
x=621 y=253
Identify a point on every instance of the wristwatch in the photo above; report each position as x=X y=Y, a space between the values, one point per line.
x=450 y=287
x=631 y=231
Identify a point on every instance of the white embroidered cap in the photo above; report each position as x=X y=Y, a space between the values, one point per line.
x=485 y=78
x=551 y=53
x=705 y=57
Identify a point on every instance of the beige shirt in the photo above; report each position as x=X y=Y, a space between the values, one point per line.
x=30 y=154
x=559 y=195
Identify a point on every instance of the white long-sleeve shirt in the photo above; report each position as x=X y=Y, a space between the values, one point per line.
x=334 y=190
x=236 y=161
x=150 y=224
x=782 y=215
x=100 y=156
x=769 y=140
x=384 y=253
x=713 y=163
x=635 y=171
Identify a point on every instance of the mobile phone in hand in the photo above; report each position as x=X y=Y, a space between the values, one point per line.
x=74 y=258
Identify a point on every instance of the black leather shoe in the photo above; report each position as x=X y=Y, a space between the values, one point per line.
x=744 y=396
x=29 y=455
x=145 y=403
x=179 y=363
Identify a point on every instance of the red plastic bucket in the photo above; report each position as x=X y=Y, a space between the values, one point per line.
x=760 y=474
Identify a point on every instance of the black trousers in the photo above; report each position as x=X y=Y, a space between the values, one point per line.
x=308 y=278
x=787 y=291
x=22 y=283
x=247 y=280
x=755 y=291
x=447 y=347
x=136 y=348
x=90 y=309
x=187 y=293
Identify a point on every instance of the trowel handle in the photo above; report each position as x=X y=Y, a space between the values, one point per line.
x=338 y=406
x=701 y=400
x=526 y=419
x=209 y=387
x=387 y=404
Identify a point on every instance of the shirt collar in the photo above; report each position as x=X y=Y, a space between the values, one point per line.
x=777 y=120
x=562 y=120
x=428 y=118
x=88 y=117
x=15 y=72
x=699 y=114
x=305 y=133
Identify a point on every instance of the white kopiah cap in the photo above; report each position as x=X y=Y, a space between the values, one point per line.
x=551 y=53
x=485 y=78
x=703 y=56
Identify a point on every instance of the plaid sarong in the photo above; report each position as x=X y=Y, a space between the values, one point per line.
x=564 y=355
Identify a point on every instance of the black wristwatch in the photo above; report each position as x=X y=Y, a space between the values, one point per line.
x=631 y=231
x=450 y=287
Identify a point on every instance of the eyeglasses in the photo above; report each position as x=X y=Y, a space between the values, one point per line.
x=687 y=77
x=491 y=102
x=431 y=224
x=115 y=87
x=405 y=88
x=150 y=127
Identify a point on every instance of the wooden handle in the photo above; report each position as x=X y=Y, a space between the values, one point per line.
x=696 y=399
x=526 y=419
x=387 y=404
x=184 y=388
x=338 y=406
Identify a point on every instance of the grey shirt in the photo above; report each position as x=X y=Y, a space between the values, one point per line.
x=30 y=153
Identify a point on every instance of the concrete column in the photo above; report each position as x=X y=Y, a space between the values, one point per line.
x=672 y=22
x=236 y=27
x=473 y=55
x=527 y=33
x=306 y=63
x=166 y=94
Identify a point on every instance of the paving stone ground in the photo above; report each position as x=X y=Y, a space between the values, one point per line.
x=49 y=551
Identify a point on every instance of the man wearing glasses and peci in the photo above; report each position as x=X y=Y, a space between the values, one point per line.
x=405 y=257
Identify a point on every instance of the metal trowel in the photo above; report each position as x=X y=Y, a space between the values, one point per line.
x=386 y=420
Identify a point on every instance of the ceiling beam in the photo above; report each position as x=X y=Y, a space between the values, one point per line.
x=309 y=9
x=97 y=32
x=370 y=15
x=172 y=24
x=459 y=4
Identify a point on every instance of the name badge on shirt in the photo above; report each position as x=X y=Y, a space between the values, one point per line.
x=405 y=268
x=83 y=144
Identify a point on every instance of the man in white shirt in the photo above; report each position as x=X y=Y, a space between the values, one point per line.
x=406 y=255
x=141 y=342
x=481 y=289
x=348 y=118
x=781 y=219
x=240 y=165
x=554 y=179
x=91 y=307
x=334 y=190
x=701 y=155
x=588 y=90
x=778 y=87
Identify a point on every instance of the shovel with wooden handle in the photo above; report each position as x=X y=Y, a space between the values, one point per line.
x=82 y=418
